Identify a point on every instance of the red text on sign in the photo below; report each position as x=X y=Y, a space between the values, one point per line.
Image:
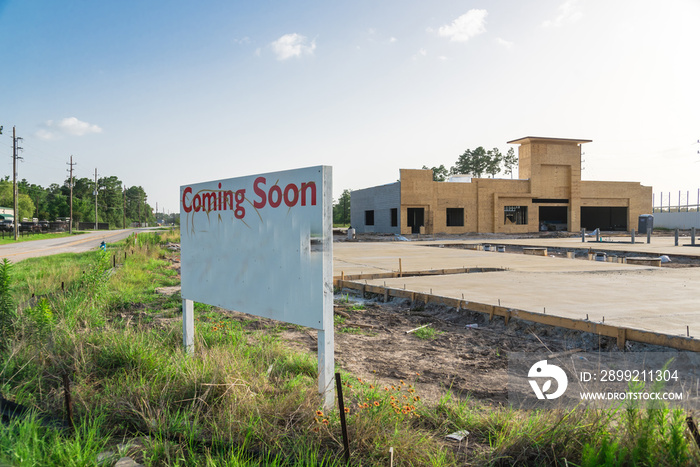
x=214 y=200
x=291 y=194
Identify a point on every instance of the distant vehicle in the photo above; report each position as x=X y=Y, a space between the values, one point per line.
x=44 y=225
x=7 y=225
x=29 y=227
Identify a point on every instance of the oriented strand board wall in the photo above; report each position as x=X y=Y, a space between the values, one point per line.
x=417 y=191
x=455 y=195
x=494 y=195
x=633 y=195
x=554 y=168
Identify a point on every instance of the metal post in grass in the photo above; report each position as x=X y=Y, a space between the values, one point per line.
x=583 y=235
x=676 y=237
x=188 y=325
x=343 y=425
x=648 y=234
x=69 y=401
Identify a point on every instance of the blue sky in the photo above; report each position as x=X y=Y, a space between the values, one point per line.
x=167 y=93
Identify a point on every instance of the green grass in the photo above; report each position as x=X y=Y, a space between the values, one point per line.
x=427 y=333
x=244 y=398
x=28 y=237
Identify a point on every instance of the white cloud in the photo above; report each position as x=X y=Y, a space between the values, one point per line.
x=470 y=24
x=70 y=126
x=505 y=43
x=393 y=39
x=292 y=45
x=420 y=54
x=569 y=12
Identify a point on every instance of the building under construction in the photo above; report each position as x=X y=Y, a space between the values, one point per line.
x=548 y=195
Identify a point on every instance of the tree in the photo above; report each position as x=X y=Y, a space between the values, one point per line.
x=341 y=209
x=110 y=201
x=38 y=195
x=494 y=164
x=25 y=205
x=510 y=160
x=137 y=210
x=440 y=174
x=474 y=163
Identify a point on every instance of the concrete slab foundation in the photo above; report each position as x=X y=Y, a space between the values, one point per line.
x=626 y=296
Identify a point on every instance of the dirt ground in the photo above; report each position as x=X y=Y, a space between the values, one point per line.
x=371 y=342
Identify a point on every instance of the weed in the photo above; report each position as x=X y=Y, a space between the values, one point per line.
x=41 y=317
x=343 y=298
x=427 y=333
x=8 y=310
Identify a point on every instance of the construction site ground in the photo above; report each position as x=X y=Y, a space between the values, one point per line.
x=371 y=339
x=659 y=299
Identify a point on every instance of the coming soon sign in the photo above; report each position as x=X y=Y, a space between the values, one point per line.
x=262 y=244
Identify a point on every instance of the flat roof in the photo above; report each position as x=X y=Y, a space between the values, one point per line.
x=532 y=139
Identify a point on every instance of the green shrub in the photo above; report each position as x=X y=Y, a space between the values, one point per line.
x=8 y=309
x=40 y=317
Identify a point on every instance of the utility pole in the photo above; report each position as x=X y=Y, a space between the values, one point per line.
x=95 y=198
x=124 y=210
x=15 y=150
x=70 y=219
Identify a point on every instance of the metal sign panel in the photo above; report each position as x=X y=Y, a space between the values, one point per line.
x=261 y=244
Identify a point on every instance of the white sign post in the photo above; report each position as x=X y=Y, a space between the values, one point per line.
x=262 y=245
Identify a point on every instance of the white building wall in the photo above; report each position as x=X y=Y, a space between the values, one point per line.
x=677 y=220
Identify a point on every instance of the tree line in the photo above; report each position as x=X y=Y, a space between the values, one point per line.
x=478 y=162
x=117 y=205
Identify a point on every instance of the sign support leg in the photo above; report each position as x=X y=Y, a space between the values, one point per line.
x=326 y=368
x=188 y=326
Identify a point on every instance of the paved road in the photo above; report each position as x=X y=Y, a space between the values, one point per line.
x=52 y=246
